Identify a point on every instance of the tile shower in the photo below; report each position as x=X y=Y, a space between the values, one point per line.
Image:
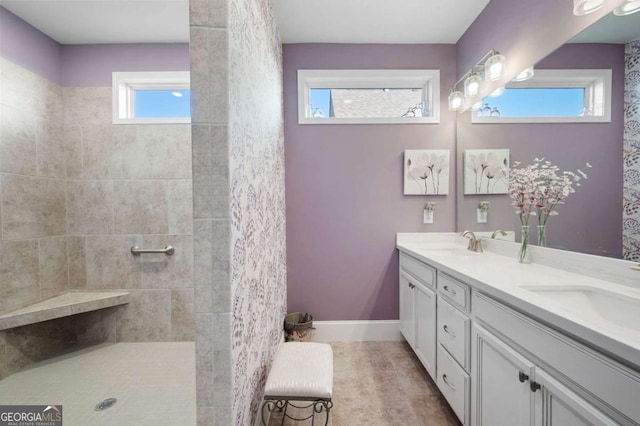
x=76 y=193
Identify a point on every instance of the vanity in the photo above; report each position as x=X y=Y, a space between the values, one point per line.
x=554 y=342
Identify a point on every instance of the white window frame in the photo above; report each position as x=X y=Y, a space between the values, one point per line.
x=125 y=84
x=597 y=95
x=428 y=80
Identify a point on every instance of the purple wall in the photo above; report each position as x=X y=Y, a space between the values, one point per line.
x=31 y=49
x=92 y=65
x=525 y=32
x=83 y=65
x=591 y=220
x=344 y=188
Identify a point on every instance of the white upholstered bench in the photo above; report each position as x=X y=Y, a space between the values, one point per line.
x=301 y=371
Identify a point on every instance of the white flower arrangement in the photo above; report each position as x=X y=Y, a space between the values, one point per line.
x=539 y=187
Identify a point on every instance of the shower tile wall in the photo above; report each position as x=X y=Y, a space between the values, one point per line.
x=33 y=264
x=76 y=192
x=238 y=179
x=209 y=62
x=130 y=185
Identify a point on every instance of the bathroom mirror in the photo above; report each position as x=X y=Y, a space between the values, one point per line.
x=591 y=220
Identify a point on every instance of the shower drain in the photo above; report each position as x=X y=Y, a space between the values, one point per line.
x=107 y=403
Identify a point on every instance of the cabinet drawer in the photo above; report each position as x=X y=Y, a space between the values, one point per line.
x=607 y=380
x=424 y=273
x=454 y=384
x=454 y=332
x=453 y=289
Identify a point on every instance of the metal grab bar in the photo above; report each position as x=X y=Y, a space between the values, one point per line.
x=137 y=251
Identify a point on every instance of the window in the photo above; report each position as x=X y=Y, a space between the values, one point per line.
x=368 y=96
x=551 y=96
x=151 y=97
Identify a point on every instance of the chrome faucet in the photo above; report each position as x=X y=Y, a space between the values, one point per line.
x=474 y=243
x=498 y=231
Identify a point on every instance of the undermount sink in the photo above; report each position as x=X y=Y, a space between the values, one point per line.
x=620 y=309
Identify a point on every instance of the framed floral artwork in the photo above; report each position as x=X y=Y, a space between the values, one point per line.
x=486 y=171
x=426 y=171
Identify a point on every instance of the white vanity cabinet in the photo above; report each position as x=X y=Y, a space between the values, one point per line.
x=407 y=308
x=454 y=325
x=557 y=405
x=502 y=395
x=521 y=389
x=499 y=366
x=510 y=390
x=418 y=310
x=425 y=345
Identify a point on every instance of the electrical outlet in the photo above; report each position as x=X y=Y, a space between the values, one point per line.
x=481 y=216
x=427 y=216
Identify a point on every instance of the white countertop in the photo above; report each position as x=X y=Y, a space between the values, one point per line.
x=498 y=273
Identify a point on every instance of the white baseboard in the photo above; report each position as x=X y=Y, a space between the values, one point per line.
x=354 y=331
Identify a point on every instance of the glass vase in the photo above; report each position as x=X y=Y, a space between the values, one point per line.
x=524 y=255
x=542 y=235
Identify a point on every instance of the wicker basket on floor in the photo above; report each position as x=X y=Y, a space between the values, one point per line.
x=298 y=327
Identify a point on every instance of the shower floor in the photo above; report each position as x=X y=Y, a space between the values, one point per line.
x=154 y=384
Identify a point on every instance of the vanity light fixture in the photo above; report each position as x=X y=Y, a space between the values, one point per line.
x=494 y=67
x=627 y=8
x=489 y=67
x=455 y=100
x=524 y=75
x=472 y=85
x=583 y=7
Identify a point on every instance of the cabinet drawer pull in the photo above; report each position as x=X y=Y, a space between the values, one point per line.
x=444 y=379
x=449 y=332
x=522 y=377
x=411 y=285
x=449 y=290
x=534 y=386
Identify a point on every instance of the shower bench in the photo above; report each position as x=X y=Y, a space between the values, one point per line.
x=62 y=305
x=302 y=373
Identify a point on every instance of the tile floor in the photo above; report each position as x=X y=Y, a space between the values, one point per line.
x=154 y=384
x=375 y=384
x=383 y=384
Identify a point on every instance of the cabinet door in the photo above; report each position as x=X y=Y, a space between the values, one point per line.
x=426 y=327
x=501 y=393
x=557 y=405
x=407 y=309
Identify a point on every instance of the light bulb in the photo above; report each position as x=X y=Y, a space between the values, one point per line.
x=627 y=8
x=583 y=7
x=472 y=85
x=494 y=67
x=455 y=101
x=525 y=74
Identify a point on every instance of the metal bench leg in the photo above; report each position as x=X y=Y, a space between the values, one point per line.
x=271 y=405
x=317 y=407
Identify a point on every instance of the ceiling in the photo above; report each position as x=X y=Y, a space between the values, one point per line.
x=375 y=21
x=300 y=21
x=106 y=21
